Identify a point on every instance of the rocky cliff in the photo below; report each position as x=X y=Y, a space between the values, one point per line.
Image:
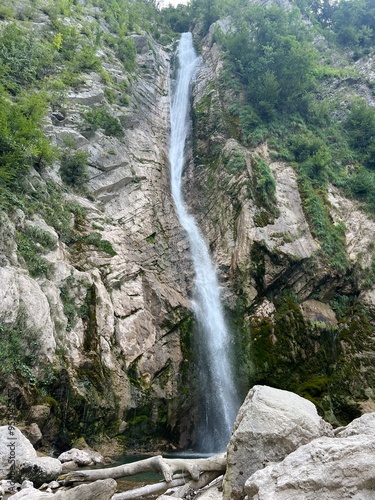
x=105 y=323
x=302 y=323
x=95 y=283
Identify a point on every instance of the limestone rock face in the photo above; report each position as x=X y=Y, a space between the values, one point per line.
x=270 y=425
x=326 y=468
x=19 y=293
x=113 y=315
x=269 y=251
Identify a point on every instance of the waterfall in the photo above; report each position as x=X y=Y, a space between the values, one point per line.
x=219 y=400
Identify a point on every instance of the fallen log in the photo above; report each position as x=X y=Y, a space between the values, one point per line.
x=166 y=466
x=193 y=486
x=183 y=486
x=149 y=489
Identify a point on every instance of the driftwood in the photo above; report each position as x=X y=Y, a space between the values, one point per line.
x=149 y=489
x=166 y=466
x=196 y=473
x=184 y=484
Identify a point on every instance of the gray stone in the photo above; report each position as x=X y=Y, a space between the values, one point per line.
x=98 y=490
x=270 y=424
x=39 y=470
x=316 y=311
x=13 y=446
x=38 y=414
x=324 y=469
x=33 y=433
x=81 y=457
x=362 y=425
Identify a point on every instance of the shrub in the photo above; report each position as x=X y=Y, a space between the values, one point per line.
x=73 y=168
x=31 y=250
x=23 y=58
x=126 y=53
x=99 y=117
x=22 y=142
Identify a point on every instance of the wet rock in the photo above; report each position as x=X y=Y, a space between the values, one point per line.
x=316 y=311
x=38 y=414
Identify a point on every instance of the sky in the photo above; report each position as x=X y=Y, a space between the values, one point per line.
x=165 y=3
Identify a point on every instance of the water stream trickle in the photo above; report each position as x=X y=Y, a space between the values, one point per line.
x=219 y=399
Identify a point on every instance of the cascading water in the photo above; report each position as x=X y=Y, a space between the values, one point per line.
x=219 y=400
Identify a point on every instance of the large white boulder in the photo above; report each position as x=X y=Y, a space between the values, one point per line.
x=271 y=424
x=325 y=469
x=362 y=425
x=14 y=448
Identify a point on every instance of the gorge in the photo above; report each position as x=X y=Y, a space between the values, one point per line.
x=98 y=301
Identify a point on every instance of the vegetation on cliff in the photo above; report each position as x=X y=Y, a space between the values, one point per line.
x=280 y=66
x=291 y=78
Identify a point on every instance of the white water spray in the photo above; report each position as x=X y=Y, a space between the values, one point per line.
x=219 y=400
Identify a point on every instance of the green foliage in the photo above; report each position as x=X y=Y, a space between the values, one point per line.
x=23 y=58
x=22 y=143
x=69 y=306
x=32 y=242
x=331 y=236
x=19 y=347
x=6 y=12
x=361 y=185
x=99 y=117
x=360 y=124
x=270 y=50
x=178 y=18
x=126 y=52
x=235 y=163
x=95 y=239
x=265 y=185
x=206 y=12
x=354 y=24
x=73 y=168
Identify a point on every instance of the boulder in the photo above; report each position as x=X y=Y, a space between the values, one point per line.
x=13 y=446
x=270 y=424
x=38 y=414
x=34 y=434
x=39 y=470
x=326 y=468
x=318 y=312
x=98 y=490
x=81 y=457
x=362 y=425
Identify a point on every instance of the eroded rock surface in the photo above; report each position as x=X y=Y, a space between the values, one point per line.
x=326 y=468
x=270 y=425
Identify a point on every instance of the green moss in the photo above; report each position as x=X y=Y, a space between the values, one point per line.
x=265 y=186
x=151 y=239
x=95 y=239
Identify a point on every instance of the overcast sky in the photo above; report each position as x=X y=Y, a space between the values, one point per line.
x=165 y=3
